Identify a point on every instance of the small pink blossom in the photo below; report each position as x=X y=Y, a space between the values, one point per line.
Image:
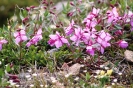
x=91 y=21
x=112 y=15
x=3 y=41
x=20 y=36
x=57 y=40
x=36 y=38
x=118 y=32
x=122 y=44
x=95 y=12
x=90 y=50
x=70 y=29
x=103 y=40
x=76 y=38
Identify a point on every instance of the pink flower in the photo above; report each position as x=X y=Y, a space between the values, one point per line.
x=113 y=15
x=90 y=50
x=91 y=20
x=88 y=35
x=91 y=23
x=118 y=32
x=3 y=41
x=20 y=36
x=122 y=44
x=76 y=38
x=103 y=39
x=95 y=12
x=36 y=38
x=70 y=29
x=57 y=40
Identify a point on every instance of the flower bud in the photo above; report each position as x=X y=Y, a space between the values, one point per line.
x=122 y=44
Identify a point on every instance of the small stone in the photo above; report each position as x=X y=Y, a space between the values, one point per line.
x=84 y=71
x=17 y=86
x=113 y=83
x=76 y=79
x=106 y=68
x=27 y=76
x=31 y=86
x=74 y=69
x=115 y=80
x=101 y=66
x=97 y=72
x=34 y=74
x=128 y=55
x=119 y=73
x=42 y=86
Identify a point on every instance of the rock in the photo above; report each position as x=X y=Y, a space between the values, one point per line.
x=74 y=69
x=128 y=55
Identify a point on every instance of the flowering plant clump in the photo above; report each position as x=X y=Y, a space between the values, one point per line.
x=48 y=37
x=89 y=36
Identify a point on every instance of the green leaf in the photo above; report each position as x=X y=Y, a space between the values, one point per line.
x=46 y=13
x=112 y=1
x=117 y=26
x=5 y=28
x=14 y=24
x=123 y=4
x=1 y=72
x=21 y=15
x=98 y=27
x=8 y=68
x=87 y=77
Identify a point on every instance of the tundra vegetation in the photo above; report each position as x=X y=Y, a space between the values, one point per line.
x=88 y=44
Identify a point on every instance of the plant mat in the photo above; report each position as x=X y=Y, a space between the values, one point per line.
x=78 y=69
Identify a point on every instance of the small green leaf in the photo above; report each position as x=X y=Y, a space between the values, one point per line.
x=46 y=13
x=8 y=68
x=87 y=77
x=98 y=27
x=14 y=24
x=117 y=26
x=1 y=72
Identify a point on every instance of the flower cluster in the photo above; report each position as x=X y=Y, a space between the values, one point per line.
x=57 y=40
x=37 y=37
x=89 y=36
x=20 y=36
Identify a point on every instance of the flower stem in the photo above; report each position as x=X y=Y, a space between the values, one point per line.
x=20 y=54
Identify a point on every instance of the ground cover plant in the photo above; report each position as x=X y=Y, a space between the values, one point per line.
x=81 y=46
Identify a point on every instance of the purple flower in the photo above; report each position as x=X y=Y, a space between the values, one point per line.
x=118 y=32
x=36 y=38
x=76 y=38
x=91 y=21
x=103 y=39
x=3 y=41
x=95 y=12
x=57 y=40
x=122 y=44
x=70 y=29
x=20 y=36
x=113 y=15
x=90 y=50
